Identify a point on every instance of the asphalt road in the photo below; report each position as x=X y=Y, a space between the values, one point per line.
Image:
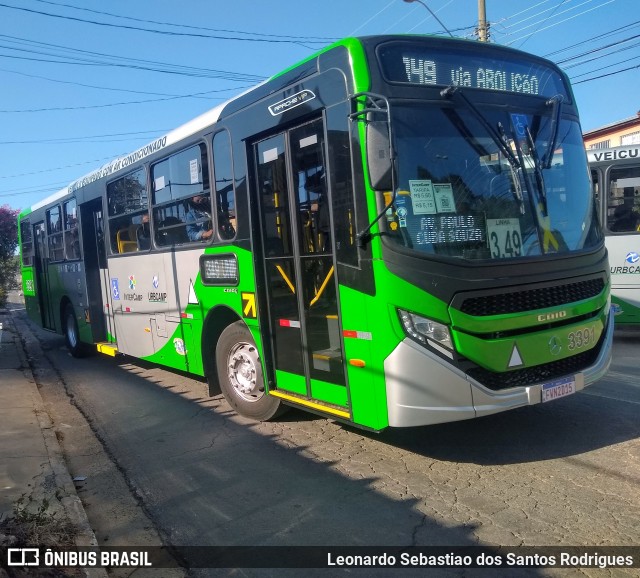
x=162 y=459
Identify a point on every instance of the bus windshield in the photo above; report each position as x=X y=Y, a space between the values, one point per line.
x=481 y=183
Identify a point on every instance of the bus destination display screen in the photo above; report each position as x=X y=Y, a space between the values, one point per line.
x=411 y=63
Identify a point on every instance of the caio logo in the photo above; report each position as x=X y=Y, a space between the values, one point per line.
x=552 y=316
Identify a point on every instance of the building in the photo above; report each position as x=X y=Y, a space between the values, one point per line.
x=622 y=133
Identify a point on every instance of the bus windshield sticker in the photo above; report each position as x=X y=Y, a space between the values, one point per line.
x=445 y=202
x=422 y=197
x=159 y=184
x=505 y=238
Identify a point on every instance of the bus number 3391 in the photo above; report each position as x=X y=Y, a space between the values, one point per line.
x=581 y=338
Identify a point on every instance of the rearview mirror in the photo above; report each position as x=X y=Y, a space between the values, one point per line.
x=379 y=155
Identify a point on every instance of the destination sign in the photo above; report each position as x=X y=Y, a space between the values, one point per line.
x=413 y=63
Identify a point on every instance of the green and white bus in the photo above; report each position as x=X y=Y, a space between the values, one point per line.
x=615 y=173
x=397 y=231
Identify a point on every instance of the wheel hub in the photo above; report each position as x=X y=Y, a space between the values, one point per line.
x=242 y=371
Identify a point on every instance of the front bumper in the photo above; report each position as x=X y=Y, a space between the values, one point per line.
x=424 y=389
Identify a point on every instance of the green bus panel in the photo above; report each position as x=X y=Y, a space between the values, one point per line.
x=329 y=392
x=291 y=382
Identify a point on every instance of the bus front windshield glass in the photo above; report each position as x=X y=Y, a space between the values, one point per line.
x=483 y=183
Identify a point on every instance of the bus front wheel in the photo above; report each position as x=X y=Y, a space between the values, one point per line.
x=240 y=375
x=72 y=335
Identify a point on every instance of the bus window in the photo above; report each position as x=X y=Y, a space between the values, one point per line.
x=71 y=239
x=181 y=194
x=595 y=189
x=26 y=238
x=225 y=194
x=128 y=203
x=54 y=232
x=623 y=204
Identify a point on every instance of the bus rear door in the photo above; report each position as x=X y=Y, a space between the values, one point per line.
x=41 y=265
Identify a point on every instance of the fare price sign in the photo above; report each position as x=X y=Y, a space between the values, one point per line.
x=504 y=237
x=488 y=68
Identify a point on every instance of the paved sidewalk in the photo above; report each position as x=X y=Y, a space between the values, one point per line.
x=32 y=467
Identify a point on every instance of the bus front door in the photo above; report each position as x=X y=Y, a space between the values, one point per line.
x=302 y=312
x=41 y=263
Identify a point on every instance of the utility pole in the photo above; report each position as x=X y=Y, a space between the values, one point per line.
x=483 y=27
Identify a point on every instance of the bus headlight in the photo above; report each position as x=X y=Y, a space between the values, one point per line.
x=427 y=331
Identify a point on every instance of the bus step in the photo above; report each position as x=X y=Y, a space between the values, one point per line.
x=107 y=348
x=322 y=359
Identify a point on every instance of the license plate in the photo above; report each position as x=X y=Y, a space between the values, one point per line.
x=558 y=388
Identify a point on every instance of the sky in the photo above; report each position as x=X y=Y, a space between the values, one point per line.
x=85 y=81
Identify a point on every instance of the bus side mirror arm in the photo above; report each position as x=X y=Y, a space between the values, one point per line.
x=379 y=151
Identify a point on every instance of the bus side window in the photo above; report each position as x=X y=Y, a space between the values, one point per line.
x=595 y=189
x=26 y=239
x=176 y=182
x=225 y=193
x=128 y=204
x=54 y=234
x=623 y=203
x=71 y=238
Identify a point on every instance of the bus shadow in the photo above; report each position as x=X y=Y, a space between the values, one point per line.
x=584 y=422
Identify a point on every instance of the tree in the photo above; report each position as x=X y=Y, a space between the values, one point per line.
x=9 y=264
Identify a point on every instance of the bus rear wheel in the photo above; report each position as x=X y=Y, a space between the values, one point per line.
x=71 y=333
x=240 y=375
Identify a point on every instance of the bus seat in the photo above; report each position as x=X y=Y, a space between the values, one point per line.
x=125 y=243
x=173 y=231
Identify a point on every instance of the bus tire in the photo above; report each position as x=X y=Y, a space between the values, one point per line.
x=240 y=375
x=71 y=333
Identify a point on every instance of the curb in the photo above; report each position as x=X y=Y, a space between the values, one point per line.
x=71 y=503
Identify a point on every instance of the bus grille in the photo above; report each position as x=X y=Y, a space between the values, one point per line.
x=538 y=374
x=531 y=299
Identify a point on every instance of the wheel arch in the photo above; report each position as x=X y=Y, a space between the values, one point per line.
x=217 y=320
x=64 y=302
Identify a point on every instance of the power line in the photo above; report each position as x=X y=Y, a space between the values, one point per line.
x=108 y=105
x=59 y=81
x=562 y=21
x=607 y=75
x=87 y=57
x=592 y=38
x=148 y=21
x=161 y=32
x=593 y=51
x=94 y=162
x=86 y=138
x=545 y=20
x=537 y=14
x=608 y=66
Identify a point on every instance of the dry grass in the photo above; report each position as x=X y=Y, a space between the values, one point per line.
x=33 y=525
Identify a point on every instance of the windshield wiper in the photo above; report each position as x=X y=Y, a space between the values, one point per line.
x=452 y=91
x=498 y=136
x=556 y=103
x=537 y=170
